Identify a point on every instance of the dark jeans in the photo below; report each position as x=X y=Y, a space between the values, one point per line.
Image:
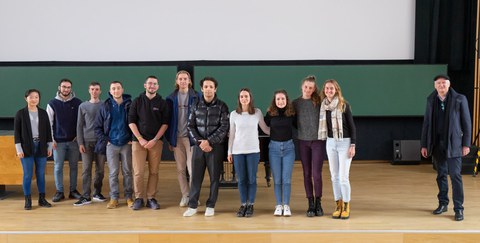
x=87 y=160
x=452 y=167
x=213 y=162
x=312 y=155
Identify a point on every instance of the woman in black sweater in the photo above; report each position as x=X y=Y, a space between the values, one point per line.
x=281 y=120
x=33 y=142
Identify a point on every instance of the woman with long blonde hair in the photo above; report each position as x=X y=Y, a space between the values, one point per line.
x=337 y=127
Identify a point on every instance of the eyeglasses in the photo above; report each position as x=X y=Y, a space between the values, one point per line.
x=152 y=84
x=442 y=105
x=66 y=87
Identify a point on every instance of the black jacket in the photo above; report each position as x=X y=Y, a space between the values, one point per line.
x=209 y=121
x=148 y=115
x=459 y=124
x=23 y=131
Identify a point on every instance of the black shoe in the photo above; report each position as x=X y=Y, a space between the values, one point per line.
x=153 y=204
x=311 y=207
x=99 y=198
x=249 y=211
x=138 y=204
x=74 y=195
x=441 y=209
x=28 y=202
x=241 y=211
x=42 y=202
x=83 y=201
x=458 y=215
x=318 y=207
x=59 y=196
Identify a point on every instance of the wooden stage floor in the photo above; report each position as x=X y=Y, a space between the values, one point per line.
x=390 y=203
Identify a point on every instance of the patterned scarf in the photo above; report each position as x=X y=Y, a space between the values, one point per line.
x=337 y=122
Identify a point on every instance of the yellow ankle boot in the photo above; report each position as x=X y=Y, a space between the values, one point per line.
x=338 y=210
x=345 y=211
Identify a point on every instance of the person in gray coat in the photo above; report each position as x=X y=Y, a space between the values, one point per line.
x=446 y=136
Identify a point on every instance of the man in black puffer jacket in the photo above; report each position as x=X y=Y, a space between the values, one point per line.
x=208 y=125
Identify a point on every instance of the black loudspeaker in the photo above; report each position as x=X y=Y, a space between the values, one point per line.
x=406 y=152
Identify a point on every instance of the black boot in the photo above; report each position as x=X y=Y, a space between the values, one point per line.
x=318 y=207
x=311 y=207
x=28 y=202
x=42 y=202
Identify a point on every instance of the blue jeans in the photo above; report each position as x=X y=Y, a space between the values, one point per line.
x=66 y=150
x=246 y=167
x=282 y=156
x=40 y=164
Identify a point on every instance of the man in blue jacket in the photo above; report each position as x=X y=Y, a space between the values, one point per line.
x=114 y=139
x=446 y=135
x=179 y=103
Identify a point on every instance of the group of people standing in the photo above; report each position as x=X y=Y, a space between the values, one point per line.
x=126 y=134
x=325 y=127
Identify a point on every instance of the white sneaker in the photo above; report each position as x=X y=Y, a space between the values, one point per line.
x=190 y=212
x=278 y=210
x=183 y=202
x=286 y=211
x=209 y=212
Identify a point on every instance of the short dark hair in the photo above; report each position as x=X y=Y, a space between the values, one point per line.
x=441 y=76
x=116 y=82
x=65 y=80
x=28 y=92
x=209 y=79
x=94 y=83
x=151 y=76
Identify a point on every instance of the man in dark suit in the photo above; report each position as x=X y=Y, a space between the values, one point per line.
x=446 y=135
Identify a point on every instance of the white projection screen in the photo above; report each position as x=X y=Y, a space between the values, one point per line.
x=154 y=30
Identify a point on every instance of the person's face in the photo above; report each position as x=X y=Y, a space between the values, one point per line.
x=182 y=81
x=94 y=91
x=442 y=85
x=280 y=100
x=307 y=89
x=244 y=98
x=209 y=89
x=151 y=85
x=33 y=99
x=116 y=90
x=65 y=89
x=330 y=91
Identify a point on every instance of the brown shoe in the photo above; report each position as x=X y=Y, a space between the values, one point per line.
x=113 y=203
x=130 y=202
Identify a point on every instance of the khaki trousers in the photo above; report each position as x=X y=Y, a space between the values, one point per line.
x=140 y=156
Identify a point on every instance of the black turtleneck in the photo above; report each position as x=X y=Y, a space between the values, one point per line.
x=281 y=126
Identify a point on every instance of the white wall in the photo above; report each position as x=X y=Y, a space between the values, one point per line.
x=150 y=30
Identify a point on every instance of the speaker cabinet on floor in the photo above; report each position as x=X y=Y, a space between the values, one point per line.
x=406 y=152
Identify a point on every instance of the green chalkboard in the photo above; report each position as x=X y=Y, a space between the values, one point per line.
x=14 y=81
x=372 y=90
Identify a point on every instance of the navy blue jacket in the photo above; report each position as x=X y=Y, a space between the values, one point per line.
x=172 y=102
x=459 y=132
x=103 y=121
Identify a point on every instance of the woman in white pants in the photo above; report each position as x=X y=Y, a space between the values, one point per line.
x=337 y=127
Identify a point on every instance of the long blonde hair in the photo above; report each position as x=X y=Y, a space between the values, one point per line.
x=338 y=93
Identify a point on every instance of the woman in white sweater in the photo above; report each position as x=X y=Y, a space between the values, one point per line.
x=244 y=148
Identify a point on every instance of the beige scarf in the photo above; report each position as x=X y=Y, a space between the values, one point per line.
x=337 y=122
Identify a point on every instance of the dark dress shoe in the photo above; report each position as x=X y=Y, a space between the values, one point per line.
x=458 y=215
x=441 y=209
